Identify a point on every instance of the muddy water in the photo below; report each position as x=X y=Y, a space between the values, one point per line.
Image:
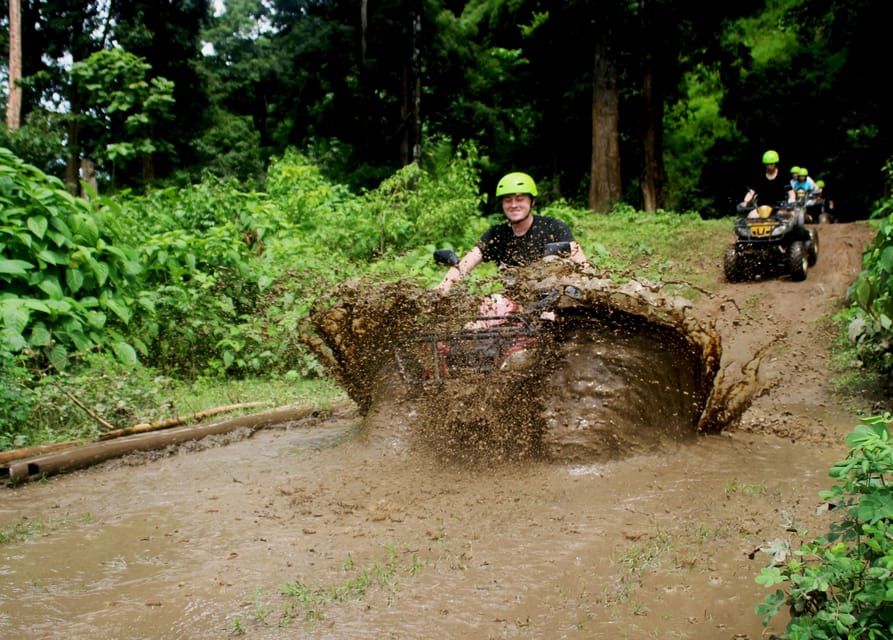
x=351 y=528
x=611 y=388
x=620 y=356
x=345 y=530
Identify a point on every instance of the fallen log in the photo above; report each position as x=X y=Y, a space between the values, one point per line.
x=39 y=449
x=173 y=422
x=95 y=452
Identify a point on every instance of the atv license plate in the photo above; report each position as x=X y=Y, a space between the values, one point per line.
x=761 y=229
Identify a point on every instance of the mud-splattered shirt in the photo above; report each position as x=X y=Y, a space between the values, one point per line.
x=500 y=244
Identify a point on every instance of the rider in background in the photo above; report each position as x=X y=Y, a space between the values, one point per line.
x=826 y=197
x=519 y=241
x=803 y=181
x=770 y=187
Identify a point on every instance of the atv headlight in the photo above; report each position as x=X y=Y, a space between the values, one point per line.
x=778 y=231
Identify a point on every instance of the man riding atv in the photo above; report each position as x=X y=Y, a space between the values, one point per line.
x=771 y=187
x=520 y=242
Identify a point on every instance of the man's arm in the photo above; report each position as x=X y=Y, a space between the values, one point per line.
x=457 y=273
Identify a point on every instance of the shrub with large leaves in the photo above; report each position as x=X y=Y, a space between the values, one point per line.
x=872 y=294
x=839 y=585
x=68 y=283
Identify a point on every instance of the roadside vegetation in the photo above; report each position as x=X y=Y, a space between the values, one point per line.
x=837 y=584
x=140 y=308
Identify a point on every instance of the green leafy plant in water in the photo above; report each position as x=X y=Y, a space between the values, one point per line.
x=839 y=585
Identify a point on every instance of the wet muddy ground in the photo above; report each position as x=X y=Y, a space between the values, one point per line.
x=347 y=527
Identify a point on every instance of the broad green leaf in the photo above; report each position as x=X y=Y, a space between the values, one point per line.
x=74 y=278
x=52 y=257
x=15 y=314
x=58 y=306
x=85 y=227
x=96 y=319
x=58 y=356
x=50 y=286
x=38 y=225
x=40 y=336
x=15 y=340
x=15 y=267
x=121 y=310
x=81 y=341
x=35 y=304
x=125 y=353
x=100 y=270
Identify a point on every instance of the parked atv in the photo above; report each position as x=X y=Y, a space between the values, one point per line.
x=770 y=241
x=504 y=337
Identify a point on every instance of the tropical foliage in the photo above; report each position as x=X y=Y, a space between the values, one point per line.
x=207 y=280
x=688 y=96
x=838 y=585
x=872 y=330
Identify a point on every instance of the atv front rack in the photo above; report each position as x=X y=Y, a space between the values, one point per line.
x=502 y=343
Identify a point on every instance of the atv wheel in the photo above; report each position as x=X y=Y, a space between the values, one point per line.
x=731 y=265
x=812 y=253
x=798 y=261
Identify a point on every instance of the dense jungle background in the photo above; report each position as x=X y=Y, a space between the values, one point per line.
x=655 y=104
x=182 y=183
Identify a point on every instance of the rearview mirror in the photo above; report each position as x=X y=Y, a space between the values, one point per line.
x=446 y=257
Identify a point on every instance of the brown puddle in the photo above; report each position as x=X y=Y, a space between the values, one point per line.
x=341 y=527
x=620 y=356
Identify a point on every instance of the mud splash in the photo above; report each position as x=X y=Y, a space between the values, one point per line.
x=629 y=369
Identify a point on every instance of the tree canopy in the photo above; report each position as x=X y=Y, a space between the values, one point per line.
x=656 y=103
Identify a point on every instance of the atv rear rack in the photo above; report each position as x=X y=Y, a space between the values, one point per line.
x=504 y=343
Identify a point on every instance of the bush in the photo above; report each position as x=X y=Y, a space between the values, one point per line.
x=839 y=584
x=68 y=283
x=872 y=294
x=16 y=401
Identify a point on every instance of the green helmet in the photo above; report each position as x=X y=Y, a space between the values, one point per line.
x=516 y=183
x=796 y=170
x=820 y=184
x=770 y=157
x=803 y=171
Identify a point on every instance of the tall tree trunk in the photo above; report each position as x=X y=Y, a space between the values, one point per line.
x=653 y=173
x=605 y=187
x=73 y=162
x=411 y=145
x=88 y=177
x=364 y=23
x=14 y=106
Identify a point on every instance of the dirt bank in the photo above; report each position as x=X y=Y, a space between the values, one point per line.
x=339 y=528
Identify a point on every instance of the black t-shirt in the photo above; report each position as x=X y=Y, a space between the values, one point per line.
x=771 y=191
x=500 y=244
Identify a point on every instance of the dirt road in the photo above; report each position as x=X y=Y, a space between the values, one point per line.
x=340 y=529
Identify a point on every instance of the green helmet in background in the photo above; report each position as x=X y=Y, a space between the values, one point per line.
x=770 y=157
x=516 y=183
x=820 y=184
